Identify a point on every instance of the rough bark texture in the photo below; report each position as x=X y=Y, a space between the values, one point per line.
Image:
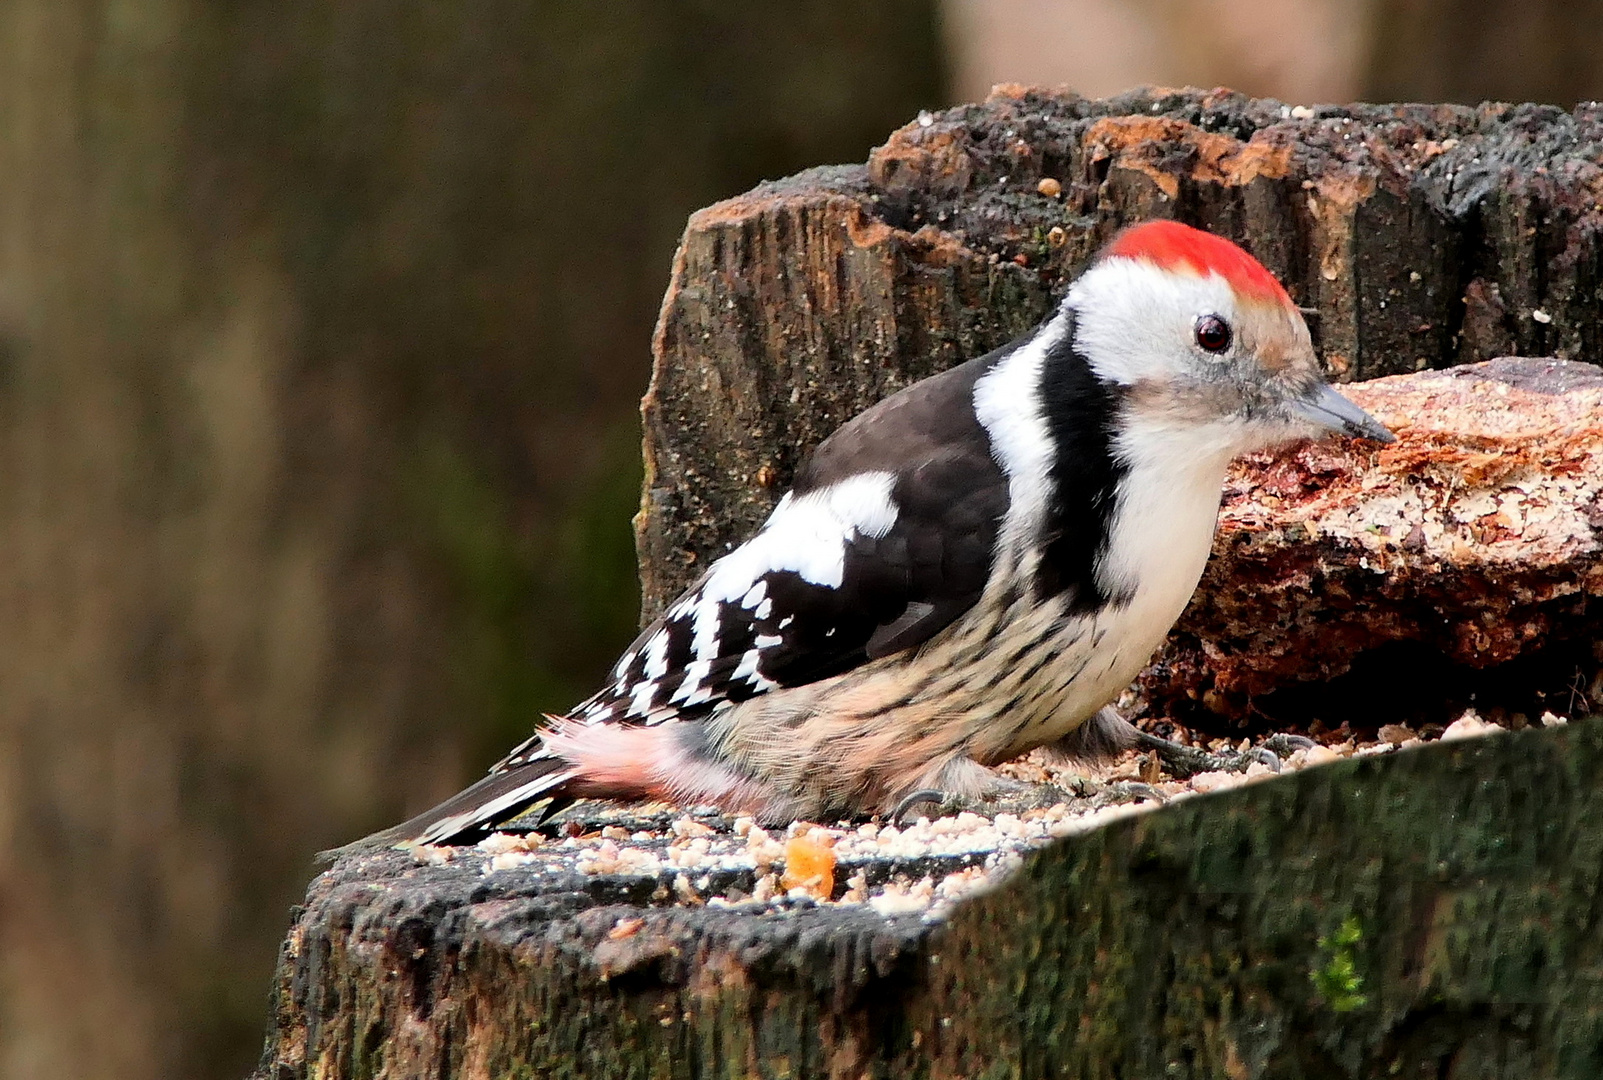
x=1430 y=913
x=1423 y=235
x=1475 y=539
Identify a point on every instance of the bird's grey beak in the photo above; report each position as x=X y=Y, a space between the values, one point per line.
x=1329 y=410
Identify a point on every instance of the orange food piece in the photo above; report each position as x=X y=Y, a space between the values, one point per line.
x=810 y=865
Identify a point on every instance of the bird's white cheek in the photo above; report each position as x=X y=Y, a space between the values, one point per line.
x=1135 y=320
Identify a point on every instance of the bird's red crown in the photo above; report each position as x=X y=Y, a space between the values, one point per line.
x=1174 y=246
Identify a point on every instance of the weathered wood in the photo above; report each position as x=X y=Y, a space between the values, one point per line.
x=1202 y=940
x=1467 y=554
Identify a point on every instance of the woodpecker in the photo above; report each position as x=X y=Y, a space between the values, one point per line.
x=970 y=569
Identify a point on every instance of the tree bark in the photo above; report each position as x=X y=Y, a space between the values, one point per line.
x=1429 y=913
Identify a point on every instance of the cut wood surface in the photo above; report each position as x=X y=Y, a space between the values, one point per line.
x=1431 y=912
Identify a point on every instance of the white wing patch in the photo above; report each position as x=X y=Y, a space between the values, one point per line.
x=806 y=535
x=748 y=671
x=704 y=637
x=656 y=656
x=695 y=671
x=640 y=697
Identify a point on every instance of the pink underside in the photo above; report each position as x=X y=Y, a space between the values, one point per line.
x=614 y=761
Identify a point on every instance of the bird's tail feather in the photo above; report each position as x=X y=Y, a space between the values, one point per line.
x=475 y=811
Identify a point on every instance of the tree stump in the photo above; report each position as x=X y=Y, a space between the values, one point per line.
x=1422 y=236
x=1429 y=912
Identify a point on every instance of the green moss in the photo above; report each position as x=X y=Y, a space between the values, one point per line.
x=1336 y=979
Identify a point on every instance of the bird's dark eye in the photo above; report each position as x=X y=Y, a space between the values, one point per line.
x=1213 y=333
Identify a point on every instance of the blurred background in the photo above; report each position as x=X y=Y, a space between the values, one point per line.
x=323 y=325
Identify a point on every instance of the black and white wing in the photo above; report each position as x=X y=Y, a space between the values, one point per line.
x=886 y=538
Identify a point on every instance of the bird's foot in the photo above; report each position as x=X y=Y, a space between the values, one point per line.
x=1006 y=796
x=1184 y=762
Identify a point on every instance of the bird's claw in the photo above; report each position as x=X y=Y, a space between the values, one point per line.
x=1267 y=758
x=1184 y=762
x=1008 y=797
x=1017 y=798
x=1129 y=791
x=1286 y=745
x=918 y=798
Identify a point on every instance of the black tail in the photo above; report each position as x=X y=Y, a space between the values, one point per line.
x=473 y=813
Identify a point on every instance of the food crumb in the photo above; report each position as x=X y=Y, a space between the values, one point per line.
x=810 y=865
x=433 y=854
x=1469 y=726
x=766 y=887
x=499 y=843
x=1395 y=734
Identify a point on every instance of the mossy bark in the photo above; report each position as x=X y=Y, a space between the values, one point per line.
x=1428 y=913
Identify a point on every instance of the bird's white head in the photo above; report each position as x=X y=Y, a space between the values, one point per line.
x=1208 y=349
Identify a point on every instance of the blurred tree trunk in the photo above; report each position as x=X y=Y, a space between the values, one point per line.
x=1476 y=50
x=321 y=327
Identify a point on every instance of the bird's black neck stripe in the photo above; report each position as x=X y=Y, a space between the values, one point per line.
x=1080 y=410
